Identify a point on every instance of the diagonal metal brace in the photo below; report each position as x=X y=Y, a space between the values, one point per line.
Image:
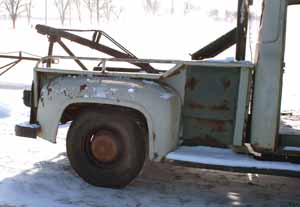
x=60 y=33
x=9 y=66
x=72 y=55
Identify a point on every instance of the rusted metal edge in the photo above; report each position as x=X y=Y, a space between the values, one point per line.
x=215 y=63
x=217 y=46
x=179 y=65
x=56 y=34
x=9 y=66
x=17 y=58
x=293 y=2
x=99 y=73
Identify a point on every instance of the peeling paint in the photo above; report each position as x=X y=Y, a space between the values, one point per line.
x=93 y=80
x=49 y=90
x=222 y=107
x=114 y=90
x=166 y=96
x=150 y=82
x=215 y=125
x=154 y=136
x=148 y=97
x=131 y=90
x=42 y=101
x=100 y=93
x=191 y=83
x=83 y=87
x=227 y=84
x=197 y=106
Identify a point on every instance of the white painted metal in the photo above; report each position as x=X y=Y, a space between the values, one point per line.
x=242 y=107
x=268 y=75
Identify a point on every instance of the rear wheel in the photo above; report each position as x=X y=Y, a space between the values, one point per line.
x=106 y=148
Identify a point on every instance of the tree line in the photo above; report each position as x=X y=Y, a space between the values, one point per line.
x=97 y=9
x=106 y=9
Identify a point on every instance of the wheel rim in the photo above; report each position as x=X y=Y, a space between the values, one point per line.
x=104 y=147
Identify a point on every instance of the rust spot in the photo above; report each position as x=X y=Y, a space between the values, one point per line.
x=214 y=125
x=104 y=148
x=196 y=106
x=42 y=101
x=171 y=75
x=49 y=90
x=154 y=136
x=227 y=84
x=83 y=87
x=191 y=84
x=222 y=107
x=203 y=141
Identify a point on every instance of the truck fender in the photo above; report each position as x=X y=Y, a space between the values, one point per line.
x=160 y=104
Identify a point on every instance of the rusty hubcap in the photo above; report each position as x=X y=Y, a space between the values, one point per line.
x=104 y=147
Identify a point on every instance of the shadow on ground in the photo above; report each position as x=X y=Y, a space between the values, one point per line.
x=54 y=183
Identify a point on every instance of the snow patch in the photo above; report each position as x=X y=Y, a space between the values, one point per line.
x=28 y=125
x=226 y=157
x=294 y=149
x=226 y=60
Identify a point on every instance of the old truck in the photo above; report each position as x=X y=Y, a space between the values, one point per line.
x=221 y=115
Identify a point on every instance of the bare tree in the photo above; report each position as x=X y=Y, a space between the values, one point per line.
x=172 y=6
x=98 y=10
x=14 y=8
x=78 y=8
x=89 y=4
x=214 y=13
x=70 y=12
x=108 y=9
x=28 y=9
x=62 y=6
x=187 y=8
x=152 y=6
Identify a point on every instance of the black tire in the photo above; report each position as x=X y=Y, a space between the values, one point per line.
x=123 y=156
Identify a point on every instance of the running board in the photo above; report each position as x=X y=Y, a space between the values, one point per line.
x=226 y=159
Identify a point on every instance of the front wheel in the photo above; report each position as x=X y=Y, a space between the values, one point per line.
x=106 y=148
